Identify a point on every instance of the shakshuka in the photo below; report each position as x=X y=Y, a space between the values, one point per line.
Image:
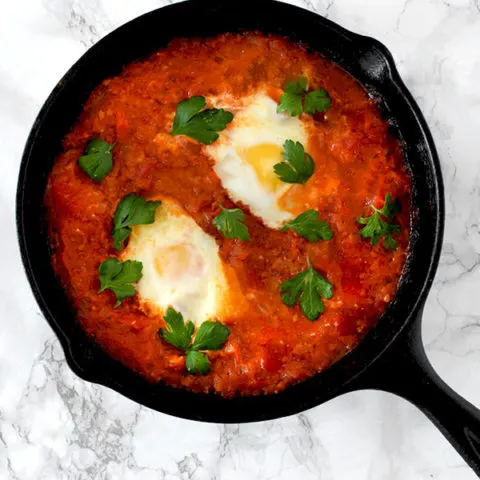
x=230 y=214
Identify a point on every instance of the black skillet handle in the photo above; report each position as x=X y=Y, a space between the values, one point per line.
x=408 y=373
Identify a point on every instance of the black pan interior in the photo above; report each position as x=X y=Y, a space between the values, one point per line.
x=366 y=59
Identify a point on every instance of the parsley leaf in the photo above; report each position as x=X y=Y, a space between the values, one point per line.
x=390 y=208
x=118 y=277
x=297 y=167
x=378 y=226
x=296 y=88
x=310 y=286
x=310 y=227
x=178 y=334
x=131 y=210
x=202 y=125
x=317 y=101
x=210 y=336
x=291 y=100
x=97 y=159
x=197 y=362
x=230 y=223
x=296 y=100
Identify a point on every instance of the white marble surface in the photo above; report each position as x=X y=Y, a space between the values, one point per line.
x=55 y=426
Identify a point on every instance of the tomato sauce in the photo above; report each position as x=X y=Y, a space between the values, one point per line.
x=357 y=163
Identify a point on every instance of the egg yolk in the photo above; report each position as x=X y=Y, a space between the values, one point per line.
x=262 y=158
x=178 y=261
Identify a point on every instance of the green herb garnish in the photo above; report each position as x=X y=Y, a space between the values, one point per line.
x=296 y=100
x=310 y=287
x=316 y=101
x=202 y=125
x=230 y=223
x=310 y=227
x=118 y=277
x=378 y=226
x=131 y=210
x=97 y=159
x=179 y=333
x=297 y=166
x=197 y=362
x=209 y=336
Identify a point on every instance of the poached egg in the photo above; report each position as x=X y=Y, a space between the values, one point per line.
x=181 y=267
x=247 y=151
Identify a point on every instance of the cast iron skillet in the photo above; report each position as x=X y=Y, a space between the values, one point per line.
x=391 y=357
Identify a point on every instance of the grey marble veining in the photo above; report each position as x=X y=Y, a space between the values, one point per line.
x=55 y=426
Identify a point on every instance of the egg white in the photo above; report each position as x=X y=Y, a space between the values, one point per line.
x=246 y=152
x=181 y=266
